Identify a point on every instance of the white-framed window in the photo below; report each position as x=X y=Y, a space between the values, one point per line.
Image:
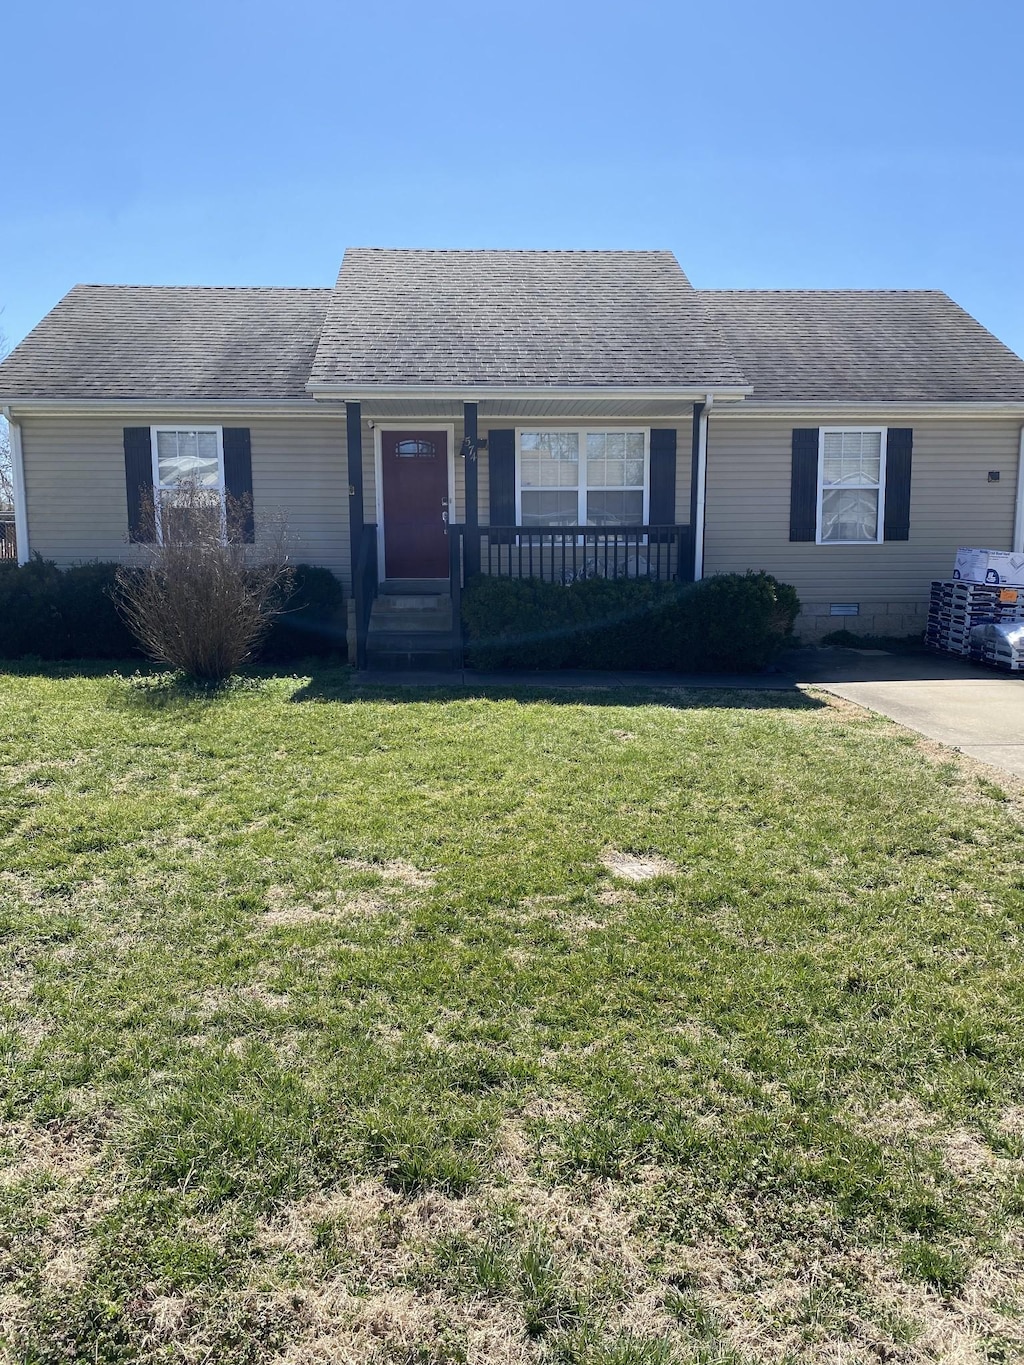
x=193 y=456
x=582 y=477
x=851 y=485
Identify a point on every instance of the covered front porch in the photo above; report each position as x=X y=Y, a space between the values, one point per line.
x=559 y=488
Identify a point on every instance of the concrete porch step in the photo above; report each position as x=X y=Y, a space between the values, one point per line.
x=413 y=603
x=394 y=658
x=389 y=610
x=411 y=627
x=420 y=630
x=403 y=637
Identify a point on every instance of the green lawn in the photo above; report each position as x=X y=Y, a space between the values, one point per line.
x=329 y=1036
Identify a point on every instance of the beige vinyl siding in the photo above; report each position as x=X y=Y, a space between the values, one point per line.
x=75 y=489
x=300 y=472
x=951 y=503
x=74 y=477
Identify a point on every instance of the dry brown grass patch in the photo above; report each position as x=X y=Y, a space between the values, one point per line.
x=254 y=993
x=323 y=906
x=1011 y=1121
x=965 y=1154
x=615 y=896
x=393 y=870
x=396 y=1326
x=65 y=1152
x=637 y=867
x=168 y=1316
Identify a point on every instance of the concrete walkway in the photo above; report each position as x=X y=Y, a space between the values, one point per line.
x=575 y=680
x=977 y=710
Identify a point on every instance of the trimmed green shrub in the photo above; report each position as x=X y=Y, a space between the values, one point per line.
x=48 y=613
x=93 y=626
x=313 y=619
x=726 y=623
x=51 y=613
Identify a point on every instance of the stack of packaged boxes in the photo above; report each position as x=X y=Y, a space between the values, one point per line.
x=955 y=609
x=979 y=611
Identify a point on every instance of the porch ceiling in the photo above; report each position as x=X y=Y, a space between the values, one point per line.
x=514 y=410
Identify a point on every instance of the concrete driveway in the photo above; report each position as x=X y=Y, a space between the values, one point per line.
x=976 y=710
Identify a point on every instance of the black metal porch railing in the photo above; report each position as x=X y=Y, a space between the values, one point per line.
x=364 y=588
x=557 y=554
x=566 y=554
x=8 y=540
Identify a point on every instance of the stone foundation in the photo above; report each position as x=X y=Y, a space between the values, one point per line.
x=904 y=617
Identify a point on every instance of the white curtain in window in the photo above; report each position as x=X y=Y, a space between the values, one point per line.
x=187 y=455
x=849 y=514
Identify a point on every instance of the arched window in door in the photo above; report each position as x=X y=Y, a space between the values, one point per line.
x=417 y=447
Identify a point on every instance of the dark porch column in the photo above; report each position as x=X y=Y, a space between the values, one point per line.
x=354 y=436
x=469 y=417
x=698 y=409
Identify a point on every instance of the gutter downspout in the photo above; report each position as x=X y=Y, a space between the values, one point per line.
x=18 y=479
x=1018 y=519
x=702 y=484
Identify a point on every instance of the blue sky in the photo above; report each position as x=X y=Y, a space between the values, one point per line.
x=775 y=145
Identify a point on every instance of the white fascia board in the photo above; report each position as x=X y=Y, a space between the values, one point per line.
x=100 y=407
x=753 y=409
x=354 y=393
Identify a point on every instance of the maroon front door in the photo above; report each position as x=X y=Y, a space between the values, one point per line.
x=414 y=482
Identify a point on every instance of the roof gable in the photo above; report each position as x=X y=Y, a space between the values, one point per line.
x=518 y=319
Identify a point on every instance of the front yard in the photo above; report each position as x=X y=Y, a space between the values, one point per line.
x=335 y=1029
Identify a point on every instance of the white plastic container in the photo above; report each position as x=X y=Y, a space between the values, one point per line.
x=998 y=568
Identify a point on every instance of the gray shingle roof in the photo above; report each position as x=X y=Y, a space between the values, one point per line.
x=510 y=318
x=518 y=318
x=827 y=345
x=151 y=342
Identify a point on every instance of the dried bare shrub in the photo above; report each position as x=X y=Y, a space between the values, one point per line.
x=203 y=601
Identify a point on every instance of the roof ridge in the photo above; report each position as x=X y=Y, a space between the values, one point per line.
x=517 y=250
x=214 y=288
x=840 y=290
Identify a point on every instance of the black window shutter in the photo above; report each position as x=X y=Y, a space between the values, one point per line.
x=238 y=482
x=501 y=469
x=803 y=486
x=662 y=500
x=138 y=484
x=898 y=449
